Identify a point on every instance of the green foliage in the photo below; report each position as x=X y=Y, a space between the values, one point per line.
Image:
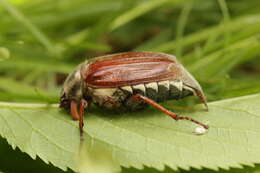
x=4 y=53
x=43 y=40
x=45 y=131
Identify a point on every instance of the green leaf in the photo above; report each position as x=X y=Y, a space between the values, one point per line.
x=246 y=169
x=142 y=138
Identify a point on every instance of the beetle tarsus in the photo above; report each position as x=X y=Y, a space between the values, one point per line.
x=139 y=97
x=191 y=119
x=81 y=116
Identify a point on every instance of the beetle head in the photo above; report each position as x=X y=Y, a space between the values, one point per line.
x=72 y=89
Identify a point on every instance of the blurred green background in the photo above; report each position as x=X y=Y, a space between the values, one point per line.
x=41 y=41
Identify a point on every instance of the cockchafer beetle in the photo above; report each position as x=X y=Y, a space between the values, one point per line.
x=130 y=80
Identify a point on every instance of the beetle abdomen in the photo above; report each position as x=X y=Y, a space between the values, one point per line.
x=120 y=97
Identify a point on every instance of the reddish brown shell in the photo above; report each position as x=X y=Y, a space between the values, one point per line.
x=131 y=68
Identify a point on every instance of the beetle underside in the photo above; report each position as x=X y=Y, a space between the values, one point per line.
x=119 y=98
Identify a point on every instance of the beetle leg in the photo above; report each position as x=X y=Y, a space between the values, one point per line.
x=82 y=106
x=202 y=98
x=74 y=110
x=109 y=100
x=139 y=97
x=78 y=115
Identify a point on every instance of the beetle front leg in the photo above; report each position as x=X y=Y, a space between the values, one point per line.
x=74 y=110
x=139 y=97
x=82 y=106
x=78 y=115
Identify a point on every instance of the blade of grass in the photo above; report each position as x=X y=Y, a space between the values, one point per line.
x=162 y=37
x=214 y=43
x=131 y=14
x=87 y=11
x=211 y=41
x=238 y=87
x=234 y=25
x=50 y=66
x=224 y=9
x=39 y=35
x=221 y=61
x=226 y=18
x=24 y=92
x=181 y=27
